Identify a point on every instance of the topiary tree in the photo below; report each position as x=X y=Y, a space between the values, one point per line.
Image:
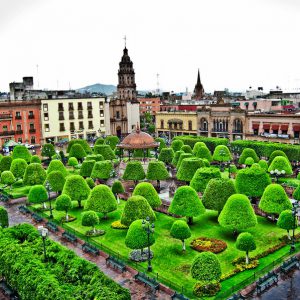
x=90 y=218
x=21 y=152
x=105 y=151
x=180 y=230
x=197 y=146
x=87 y=168
x=112 y=141
x=245 y=242
x=56 y=156
x=232 y=169
x=249 y=161
x=217 y=192
x=275 y=154
x=166 y=155
x=147 y=190
x=274 y=200
x=202 y=176
x=296 y=193
x=237 y=214
x=3 y=217
x=137 y=207
x=34 y=174
x=162 y=143
x=134 y=171
x=102 y=169
x=157 y=171
x=281 y=164
x=203 y=152
x=176 y=145
x=182 y=157
x=38 y=194
x=35 y=159
x=5 y=163
x=99 y=141
x=117 y=188
x=263 y=164
x=222 y=154
x=286 y=221
x=137 y=238
x=90 y=182
x=76 y=188
x=72 y=162
x=252 y=181
x=188 y=168
x=56 y=180
x=78 y=152
x=63 y=203
x=84 y=144
x=96 y=157
x=57 y=165
x=248 y=152
x=186 y=203
x=48 y=150
x=8 y=178
x=176 y=157
x=18 y=167
x=101 y=200
x=186 y=149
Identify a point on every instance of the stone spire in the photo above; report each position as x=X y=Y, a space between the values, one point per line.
x=199 y=90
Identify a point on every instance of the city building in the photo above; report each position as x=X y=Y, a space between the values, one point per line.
x=150 y=105
x=199 y=90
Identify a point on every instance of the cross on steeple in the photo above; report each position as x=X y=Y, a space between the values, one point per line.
x=125 y=40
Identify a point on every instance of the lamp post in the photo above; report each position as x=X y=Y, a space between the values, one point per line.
x=149 y=228
x=48 y=188
x=295 y=209
x=43 y=233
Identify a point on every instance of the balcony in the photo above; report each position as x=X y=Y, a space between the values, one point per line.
x=7 y=133
x=5 y=116
x=31 y=117
x=32 y=130
x=18 y=117
x=203 y=130
x=19 y=131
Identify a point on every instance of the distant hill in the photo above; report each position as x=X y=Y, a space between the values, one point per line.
x=107 y=89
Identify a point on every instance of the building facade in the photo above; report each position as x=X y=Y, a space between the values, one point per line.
x=150 y=105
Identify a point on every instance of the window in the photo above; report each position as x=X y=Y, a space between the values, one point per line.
x=101 y=123
x=71 y=115
x=47 y=127
x=32 y=140
x=283 y=131
x=60 y=106
x=91 y=125
x=101 y=113
x=62 y=127
x=89 y=105
x=30 y=115
x=61 y=115
x=45 y=107
x=19 y=140
x=71 y=107
x=18 y=115
x=19 y=127
x=101 y=104
x=275 y=131
x=90 y=114
x=46 y=117
x=81 y=125
x=117 y=115
x=80 y=114
x=31 y=126
x=162 y=124
x=80 y=106
x=4 y=128
x=255 y=131
x=190 y=125
x=72 y=127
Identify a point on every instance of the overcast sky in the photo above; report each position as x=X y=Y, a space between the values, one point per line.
x=234 y=43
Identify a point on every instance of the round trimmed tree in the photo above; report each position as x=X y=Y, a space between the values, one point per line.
x=56 y=180
x=147 y=190
x=87 y=168
x=203 y=176
x=57 y=165
x=102 y=169
x=96 y=157
x=217 y=192
x=222 y=154
x=176 y=157
x=21 y=152
x=72 y=162
x=182 y=157
x=112 y=141
x=186 y=149
x=136 y=207
x=276 y=153
x=245 y=242
x=18 y=167
x=263 y=164
x=188 y=168
x=248 y=152
x=34 y=174
x=166 y=155
x=101 y=200
x=76 y=188
x=176 y=145
x=203 y=152
x=5 y=163
x=3 y=217
x=286 y=221
x=197 y=146
x=281 y=163
x=274 y=200
x=249 y=161
x=99 y=141
x=78 y=152
x=237 y=214
x=8 y=178
x=180 y=230
x=48 y=150
x=186 y=203
x=35 y=159
x=86 y=147
x=105 y=151
x=38 y=194
x=63 y=203
x=157 y=171
x=117 y=188
x=90 y=182
x=134 y=171
x=90 y=218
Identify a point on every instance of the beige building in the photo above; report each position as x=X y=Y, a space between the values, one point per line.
x=67 y=118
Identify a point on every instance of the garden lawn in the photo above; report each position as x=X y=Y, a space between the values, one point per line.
x=169 y=260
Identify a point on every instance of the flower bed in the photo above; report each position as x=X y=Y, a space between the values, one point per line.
x=203 y=244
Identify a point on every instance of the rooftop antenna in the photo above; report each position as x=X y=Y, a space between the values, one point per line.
x=37 y=76
x=69 y=86
x=125 y=40
x=157 y=83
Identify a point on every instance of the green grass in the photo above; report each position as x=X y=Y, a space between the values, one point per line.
x=169 y=261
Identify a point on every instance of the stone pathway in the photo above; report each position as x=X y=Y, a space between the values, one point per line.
x=138 y=290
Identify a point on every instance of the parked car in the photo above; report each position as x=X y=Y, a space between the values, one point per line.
x=28 y=146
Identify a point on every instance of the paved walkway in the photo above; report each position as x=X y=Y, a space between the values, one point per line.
x=138 y=290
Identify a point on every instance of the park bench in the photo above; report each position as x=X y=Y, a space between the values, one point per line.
x=8 y=291
x=116 y=263
x=177 y=296
x=69 y=236
x=24 y=210
x=290 y=264
x=86 y=247
x=266 y=281
x=37 y=218
x=151 y=282
x=236 y=296
x=52 y=226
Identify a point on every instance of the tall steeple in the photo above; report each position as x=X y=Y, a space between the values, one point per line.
x=199 y=90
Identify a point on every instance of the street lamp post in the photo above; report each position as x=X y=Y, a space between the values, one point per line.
x=48 y=188
x=294 y=211
x=43 y=233
x=149 y=228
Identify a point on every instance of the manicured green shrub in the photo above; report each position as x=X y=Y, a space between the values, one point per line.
x=141 y=153
x=281 y=163
x=157 y=171
x=90 y=218
x=38 y=194
x=274 y=200
x=188 y=168
x=286 y=221
x=34 y=174
x=296 y=193
x=63 y=203
x=134 y=171
x=186 y=203
x=275 y=154
x=237 y=214
x=5 y=163
x=245 y=242
x=95 y=157
x=102 y=169
x=176 y=145
x=56 y=156
x=180 y=230
x=217 y=192
x=56 y=180
x=166 y=155
x=78 y=152
x=182 y=157
x=87 y=168
x=197 y=146
x=176 y=157
x=263 y=164
x=252 y=181
x=203 y=152
x=101 y=200
x=203 y=176
x=18 y=167
x=112 y=141
x=249 y=161
x=186 y=149
x=48 y=150
x=232 y=169
x=136 y=207
x=72 y=162
x=248 y=152
x=99 y=141
x=35 y=159
x=21 y=152
x=76 y=188
x=57 y=165
x=222 y=154
x=146 y=190
x=86 y=147
x=117 y=188
x=3 y=217
x=105 y=151
x=90 y=182
x=162 y=143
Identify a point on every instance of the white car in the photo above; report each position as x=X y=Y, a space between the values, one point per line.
x=28 y=146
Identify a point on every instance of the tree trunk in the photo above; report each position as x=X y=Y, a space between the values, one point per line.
x=183 y=245
x=190 y=220
x=247 y=258
x=289 y=236
x=67 y=217
x=158 y=185
x=79 y=203
x=94 y=229
x=44 y=205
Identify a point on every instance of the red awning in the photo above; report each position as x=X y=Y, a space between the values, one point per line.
x=284 y=126
x=296 y=127
x=266 y=126
x=275 y=126
x=255 y=126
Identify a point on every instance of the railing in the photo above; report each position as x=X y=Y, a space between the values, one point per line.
x=7 y=133
x=18 y=117
x=19 y=131
x=31 y=117
x=5 y=116
x=32 y=130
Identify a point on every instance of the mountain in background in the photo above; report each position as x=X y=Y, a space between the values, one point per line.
x=107 y=89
